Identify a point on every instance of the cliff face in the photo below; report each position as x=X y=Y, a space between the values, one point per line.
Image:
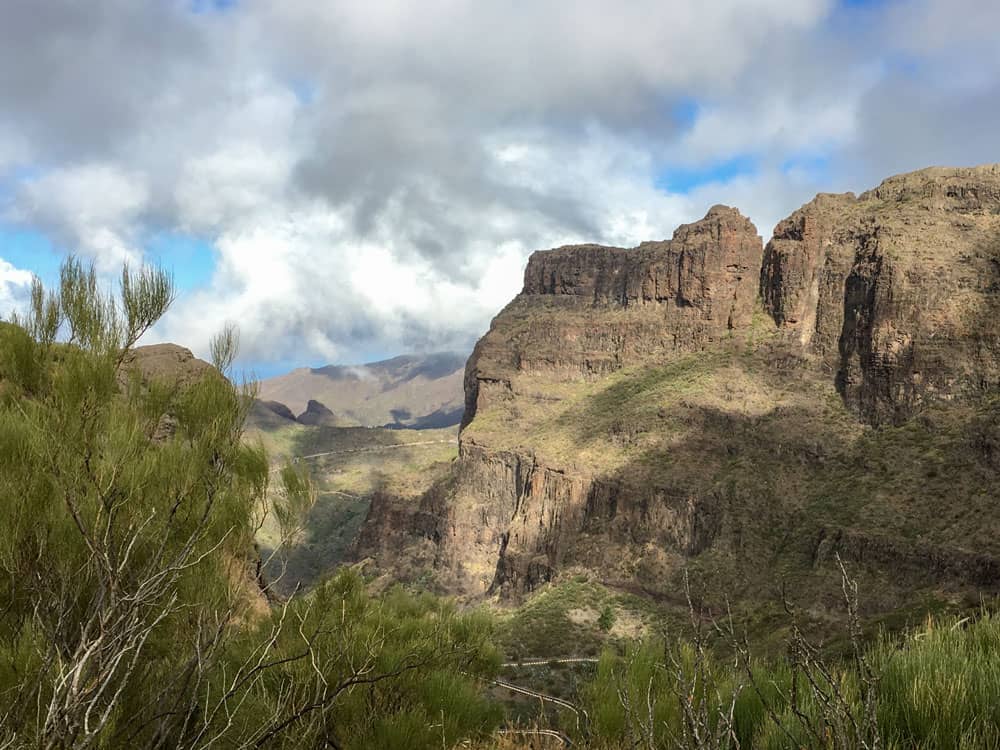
x=588 y=310
x=515 y=522
x=635 y=411
x=892 y=289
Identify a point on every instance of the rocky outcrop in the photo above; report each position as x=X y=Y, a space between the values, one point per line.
x=278 y=409
x=269 y=416
x=170 y=365
x=912 y=559
x=706 y=266
x=167 y=363
x=628 y=411
x=317 y=414
x=513 y=522
x=587 y=310
x=896 y=289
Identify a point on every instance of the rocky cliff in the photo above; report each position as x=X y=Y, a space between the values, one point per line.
x=707 y=403
x=893 y=288
x=588 y=310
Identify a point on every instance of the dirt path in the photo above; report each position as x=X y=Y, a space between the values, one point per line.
x=545 y=662
x=375 y=449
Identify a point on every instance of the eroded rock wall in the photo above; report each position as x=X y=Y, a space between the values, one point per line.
x=509 y=523
x=896 y=289
x=588 y=310
x=891 y=298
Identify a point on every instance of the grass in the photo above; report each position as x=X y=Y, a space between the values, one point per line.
x=562 y=619
x=651 y=413
x=935 y=687
x=943 y=689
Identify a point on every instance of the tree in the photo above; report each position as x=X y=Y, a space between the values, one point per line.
x=129 y=614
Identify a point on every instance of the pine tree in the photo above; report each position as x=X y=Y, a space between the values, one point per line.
x=129 y=612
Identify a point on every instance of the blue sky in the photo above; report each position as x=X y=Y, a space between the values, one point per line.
x=190 y=260
x=348 y=181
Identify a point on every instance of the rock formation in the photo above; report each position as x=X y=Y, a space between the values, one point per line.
x=168 y=362
x=892 y=288
x=632 y=411
x=588 y=310
x=317 y=414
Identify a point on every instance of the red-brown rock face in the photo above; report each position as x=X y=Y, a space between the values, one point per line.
x=587 y=310
x=896 y=289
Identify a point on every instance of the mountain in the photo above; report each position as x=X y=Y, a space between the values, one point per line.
x=742 y=413
x=412 y=391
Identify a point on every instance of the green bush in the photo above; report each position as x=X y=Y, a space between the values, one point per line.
x=934 y=689
x=130 y=611
x=606 y=621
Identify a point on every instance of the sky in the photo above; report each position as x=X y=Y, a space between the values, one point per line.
x=346 y=181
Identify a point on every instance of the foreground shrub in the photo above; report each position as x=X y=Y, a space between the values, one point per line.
x=932 y=689
x=131 y=614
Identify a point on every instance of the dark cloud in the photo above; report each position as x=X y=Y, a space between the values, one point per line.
x=78 y=78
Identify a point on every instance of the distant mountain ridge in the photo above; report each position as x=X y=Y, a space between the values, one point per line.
x=409 y=391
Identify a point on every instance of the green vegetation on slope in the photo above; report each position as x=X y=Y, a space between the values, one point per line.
x=757 y=443
x=564 y=620
x=130 y=612
x=935 y=688
x=132 y=616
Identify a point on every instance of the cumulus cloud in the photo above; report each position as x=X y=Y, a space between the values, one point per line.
x=372 y=176
x=93 y=207
x=15 y=284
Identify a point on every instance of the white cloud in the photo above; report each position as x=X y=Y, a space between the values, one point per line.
x=14 y=286
x=93 y=207
x=373 y=175
x=773 y=125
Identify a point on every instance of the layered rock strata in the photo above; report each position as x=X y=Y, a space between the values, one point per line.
x=588 y=310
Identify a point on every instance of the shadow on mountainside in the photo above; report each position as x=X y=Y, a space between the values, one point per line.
x=910 y=509
x=349 y=467
x=768 y=489
x=330 y=530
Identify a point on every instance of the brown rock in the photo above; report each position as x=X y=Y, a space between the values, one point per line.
x=896 y=290
x=167 y=362
x=723 y=438
x=317 y=414
x=587 y=310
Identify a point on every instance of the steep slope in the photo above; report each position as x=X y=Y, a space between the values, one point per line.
x=347 y=466
x=638 y=412
x=892 y=288
x=589 y=310
x=409 y=391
